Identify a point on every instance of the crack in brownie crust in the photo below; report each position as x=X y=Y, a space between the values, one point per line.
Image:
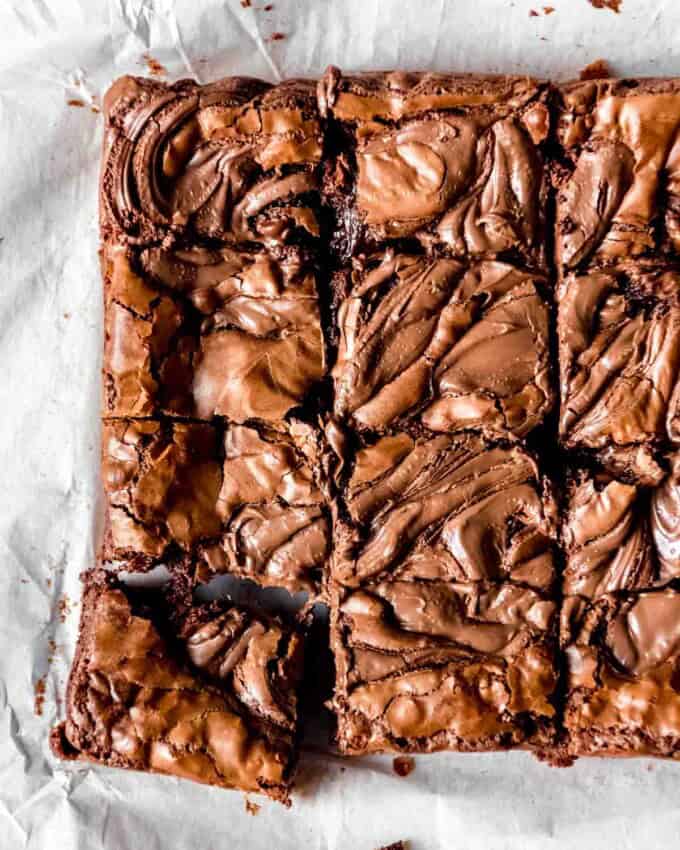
x=213 y=701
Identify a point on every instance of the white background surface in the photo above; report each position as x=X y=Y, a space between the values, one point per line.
x=50 y=339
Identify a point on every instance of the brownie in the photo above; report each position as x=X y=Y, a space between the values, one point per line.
x=212 y=699
x=619 y=350
x=443 y=612
x=199 y=332
x=236 y=160
x=617 y=179
x=620 y=628
x=445 y=345
x=241 y=499
x=453 y=162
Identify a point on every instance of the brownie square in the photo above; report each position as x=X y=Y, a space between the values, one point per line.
x=619 y=350
x=452 y=161
x=443 y=613
x=620 y=629
x=618 y=179
x=198 y=332
x=242 y=499
x=446 y=345
x=209 y=697
x=236 y=160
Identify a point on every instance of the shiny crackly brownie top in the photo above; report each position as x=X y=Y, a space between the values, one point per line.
x=234 y=160
x=453 y=161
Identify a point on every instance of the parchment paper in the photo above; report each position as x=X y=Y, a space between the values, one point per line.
x=55 y=51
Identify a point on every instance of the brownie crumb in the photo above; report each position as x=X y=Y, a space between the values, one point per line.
x=76 y=101
x=533 y=13
x=398 y=845
x=613 y=5
x=252 y=808
x=39 y=691
x=548 y=10
x=277 y=36
x=64 y=606
x=154 y=66
x=403 y=765
x=597 y=70
x=245 y=4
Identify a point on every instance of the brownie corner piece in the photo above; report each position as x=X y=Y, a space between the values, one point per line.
x=619 y=352
x=212 y=700
x=240 y=499
x=616 y=184
x=442 y=344
x=234 y=160
x=452 y=161
x=444 y=602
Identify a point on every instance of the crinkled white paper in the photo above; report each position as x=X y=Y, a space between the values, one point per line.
x=53 y=51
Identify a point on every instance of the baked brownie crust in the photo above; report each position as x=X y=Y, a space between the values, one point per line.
x=213 y=701
x=452 y=161
x=436 y=342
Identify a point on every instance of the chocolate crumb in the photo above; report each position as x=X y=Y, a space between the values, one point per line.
x=94 y=108
x=613 y=5
x=597 y=70
x=64 y=606
x=277 y=36
x=398 y=845
x=39 y=691
x=252 y=808
x=533 y=13
x=403 y=765
x=269 y=7
x=154 y=66
x=245 y=4
x=548 y=10
x=75 y=101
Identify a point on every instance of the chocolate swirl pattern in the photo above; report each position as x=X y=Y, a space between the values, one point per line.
x=619 y=193
x=137 y=701
x=619 y=622
x=236 y=160
x=453 y=347
x=619 y=335
x=454 y=162
x=444 y=613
